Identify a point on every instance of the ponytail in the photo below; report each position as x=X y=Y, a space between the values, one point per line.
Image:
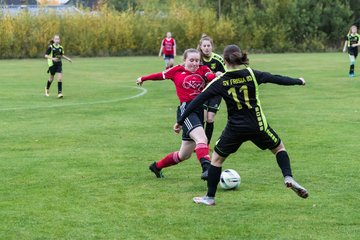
x=234 y=56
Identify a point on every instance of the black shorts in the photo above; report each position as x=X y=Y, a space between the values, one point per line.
x=194 y=120
x=353 y=51
x=168 y=56
x=231 y=139
x=213 y=104
x=56 y=68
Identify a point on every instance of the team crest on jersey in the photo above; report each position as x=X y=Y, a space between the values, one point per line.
x=195 y=82
x=213 y=66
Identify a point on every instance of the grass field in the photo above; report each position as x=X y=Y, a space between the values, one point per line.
x=77 y=168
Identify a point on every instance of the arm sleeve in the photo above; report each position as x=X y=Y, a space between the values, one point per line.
x=48 y=50
x=265 y=77
x=154 y=76
x=209 y=92
x=221 y=65
x=209 y=75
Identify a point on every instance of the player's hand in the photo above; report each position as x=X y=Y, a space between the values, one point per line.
x=218 y=73
x=139 y=81
x=177 y=128
x=303 y=81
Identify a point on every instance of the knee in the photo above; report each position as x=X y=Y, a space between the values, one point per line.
x=184 y=156
x=210 y=117
x=202 y=140
x=279 y=148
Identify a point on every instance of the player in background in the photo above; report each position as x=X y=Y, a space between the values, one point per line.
x=216 y=63
x=239 y=87
x=54 y=54
x=189 y=80
x=351 y=43
x=168 y=48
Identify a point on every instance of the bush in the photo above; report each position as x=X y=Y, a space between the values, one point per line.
x=263 y=25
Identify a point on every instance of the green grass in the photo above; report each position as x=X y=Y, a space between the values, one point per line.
x=77 y=168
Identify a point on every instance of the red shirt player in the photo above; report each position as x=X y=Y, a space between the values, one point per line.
x=168 y=48
x=189 y=79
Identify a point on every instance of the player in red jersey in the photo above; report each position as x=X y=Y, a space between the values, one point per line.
x=189 y=79
x=168 y=48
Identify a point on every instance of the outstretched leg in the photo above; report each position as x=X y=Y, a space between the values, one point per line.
x=283 y=161
x=187 y=147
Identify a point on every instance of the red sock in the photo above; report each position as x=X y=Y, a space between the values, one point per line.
x=168 y=160
x=202 y=151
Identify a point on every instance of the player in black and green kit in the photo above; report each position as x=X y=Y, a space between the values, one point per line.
x=352 y=41
x=54 y=54
x=239 y=87
x=216 y=63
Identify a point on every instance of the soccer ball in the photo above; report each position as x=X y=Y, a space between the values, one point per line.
x=229 y=179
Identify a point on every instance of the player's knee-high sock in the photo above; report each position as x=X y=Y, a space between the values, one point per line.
x=48 y=84
x=352 y=67
x=168 y=160
x=283 y=161
x=209 y=128
x=213 y=180
x=59 y=87
x=202 y=154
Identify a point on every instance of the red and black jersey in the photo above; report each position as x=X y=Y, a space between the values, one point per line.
x=168 y=45
x=188 y=84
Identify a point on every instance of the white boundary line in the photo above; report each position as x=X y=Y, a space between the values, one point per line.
x=143 y=92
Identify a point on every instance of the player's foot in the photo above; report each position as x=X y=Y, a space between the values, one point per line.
x=155 y=170
x=351 y=74
x=299 y=190
x=47 y=92
x=209 y=201
x=204 y=175
x=60 y=95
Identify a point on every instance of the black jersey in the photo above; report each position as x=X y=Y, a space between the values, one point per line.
x=352 y=39
x=55 y=51
x=240 y=90
x=215 y=63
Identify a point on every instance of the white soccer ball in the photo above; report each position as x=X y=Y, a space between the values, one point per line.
x=229 y=179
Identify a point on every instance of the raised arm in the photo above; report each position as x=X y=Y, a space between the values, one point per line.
x=264 y=77
x=154 y=76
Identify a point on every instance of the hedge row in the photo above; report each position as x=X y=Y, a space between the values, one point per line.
x=273 y=26
x=107 y=32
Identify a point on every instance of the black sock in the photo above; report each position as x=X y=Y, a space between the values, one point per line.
x=205 y=164
x=209 y=128
x=213 y=180
x=352 y=66
x=283 y=161
x=59 y=87
x=48 y=84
